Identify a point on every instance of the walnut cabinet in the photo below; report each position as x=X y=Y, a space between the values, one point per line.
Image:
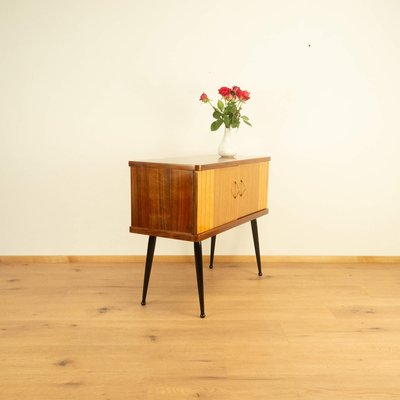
x=194 y=199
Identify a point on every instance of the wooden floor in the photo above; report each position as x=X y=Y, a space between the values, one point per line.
x=302 y=331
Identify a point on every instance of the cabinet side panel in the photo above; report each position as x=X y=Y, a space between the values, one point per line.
x=263 y=192
x=162 y=199
x=205 y=200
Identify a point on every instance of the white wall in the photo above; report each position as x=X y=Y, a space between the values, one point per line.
x=86 y=85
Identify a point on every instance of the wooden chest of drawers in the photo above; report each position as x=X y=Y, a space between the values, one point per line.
x=195 y=199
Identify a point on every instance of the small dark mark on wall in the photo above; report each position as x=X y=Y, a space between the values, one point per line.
x=74 y=325
x=309 y=45
x=153 y=338
x=76 y=269
x=103 y=310
x=13 y=280
x=375 y=328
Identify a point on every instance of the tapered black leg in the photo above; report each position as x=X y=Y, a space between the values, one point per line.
x=199 y=272
x=212 y=251
x=256 y=245
x=149 y=261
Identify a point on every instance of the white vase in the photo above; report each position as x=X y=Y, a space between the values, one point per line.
x=227 y=148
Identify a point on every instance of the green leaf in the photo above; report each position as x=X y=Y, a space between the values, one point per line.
x=247 y=122
x=220 y=105
x=245 y=118
x=217 y=114
x=216 y=124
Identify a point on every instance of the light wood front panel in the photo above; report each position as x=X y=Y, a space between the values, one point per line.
x=227 y=194
x=215 y=196
x=248 y=180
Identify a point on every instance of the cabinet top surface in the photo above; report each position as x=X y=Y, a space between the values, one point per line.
x=198 y=163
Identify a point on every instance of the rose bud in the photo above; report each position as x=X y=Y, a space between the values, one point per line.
x=204 y=98
x=235 y=89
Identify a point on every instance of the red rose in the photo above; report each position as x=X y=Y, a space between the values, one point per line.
x=225 y=92
x=243 y=95
x=235 y=89
x=204 y=98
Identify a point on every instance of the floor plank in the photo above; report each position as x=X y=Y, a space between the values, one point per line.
x=302 y=331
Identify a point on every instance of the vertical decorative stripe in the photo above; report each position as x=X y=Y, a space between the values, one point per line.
x=263 y=188
x=205 y=200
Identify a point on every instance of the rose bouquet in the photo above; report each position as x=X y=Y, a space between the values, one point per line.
x=229 y=107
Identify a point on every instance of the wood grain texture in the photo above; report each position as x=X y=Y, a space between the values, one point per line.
x=263 y=185
x=198 y=237
x=249 y=185
x=303 y=331
x=164 y=233
x=162 y=199
x=205 y=199
x=237 y=191
x=226 y=201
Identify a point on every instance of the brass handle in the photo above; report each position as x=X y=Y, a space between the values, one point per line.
x=235 y=189
x=242 y=188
